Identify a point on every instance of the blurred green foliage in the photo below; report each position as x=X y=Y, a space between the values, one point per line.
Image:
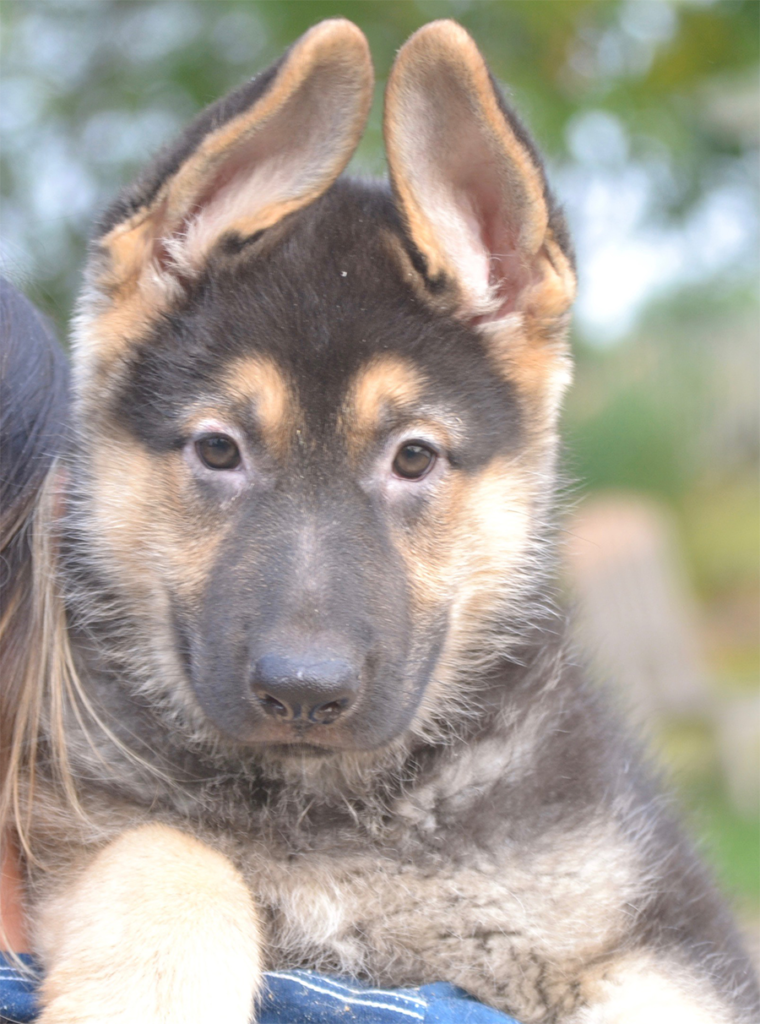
x=721 y=533
x=93 y=87
x=731 y=840
x=673 y=410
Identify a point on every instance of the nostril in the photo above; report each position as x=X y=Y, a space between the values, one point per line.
x=273 y=707
x=326 y=713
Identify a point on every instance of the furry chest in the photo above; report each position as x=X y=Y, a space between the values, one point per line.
x=510 y=934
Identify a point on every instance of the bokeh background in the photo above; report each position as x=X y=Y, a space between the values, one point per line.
x=649 y=114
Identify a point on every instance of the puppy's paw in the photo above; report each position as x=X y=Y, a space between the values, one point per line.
x=159 y=929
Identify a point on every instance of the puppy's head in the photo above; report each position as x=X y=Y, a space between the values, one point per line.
x=317 y=417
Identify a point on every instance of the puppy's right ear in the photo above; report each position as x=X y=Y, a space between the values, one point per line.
x=261 y=152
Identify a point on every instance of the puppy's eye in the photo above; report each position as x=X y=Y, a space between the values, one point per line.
x=413 y=461
x=217 y=451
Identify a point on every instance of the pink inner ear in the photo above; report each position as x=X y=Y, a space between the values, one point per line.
x=492 y=206
x=231 y=175
x=509 y=267
x=273 y=167
x=468 y=186
x=237 y=165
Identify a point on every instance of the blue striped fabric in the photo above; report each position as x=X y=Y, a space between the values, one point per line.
x=17 y=1001
x=302 y=997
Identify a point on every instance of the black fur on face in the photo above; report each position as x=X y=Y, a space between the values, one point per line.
x=317 y=528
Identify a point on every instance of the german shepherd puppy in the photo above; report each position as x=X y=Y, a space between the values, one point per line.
x=302 y=697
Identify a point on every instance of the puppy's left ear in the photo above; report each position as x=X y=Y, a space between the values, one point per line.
x=255 y=156
x=470 y=184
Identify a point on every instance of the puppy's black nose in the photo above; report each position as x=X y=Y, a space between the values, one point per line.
x=314 y=688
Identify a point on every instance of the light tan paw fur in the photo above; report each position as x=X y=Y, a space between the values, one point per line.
x=159 y=929
x=639 y=991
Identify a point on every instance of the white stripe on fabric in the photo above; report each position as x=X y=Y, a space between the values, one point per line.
x=341 y=997
x=341 y=986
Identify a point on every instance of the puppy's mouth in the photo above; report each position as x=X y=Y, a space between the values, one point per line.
x=291 y=738
x=296 y=749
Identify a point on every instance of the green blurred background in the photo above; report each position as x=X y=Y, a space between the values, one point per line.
x=648 y=113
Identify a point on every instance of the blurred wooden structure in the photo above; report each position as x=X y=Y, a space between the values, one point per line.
x=637 y=621
x=739 y=750
x=636 y=617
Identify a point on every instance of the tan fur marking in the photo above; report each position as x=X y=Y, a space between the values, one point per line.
x=536 y=357
x=386 y=381
x=259 y=381
x=554 y=292
x=158 y=928
x=531 y=348
x=130 y=246
x=491 y=535
x=135 y=299
x=481 y=528
x=469 y=556
x=163 y=535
